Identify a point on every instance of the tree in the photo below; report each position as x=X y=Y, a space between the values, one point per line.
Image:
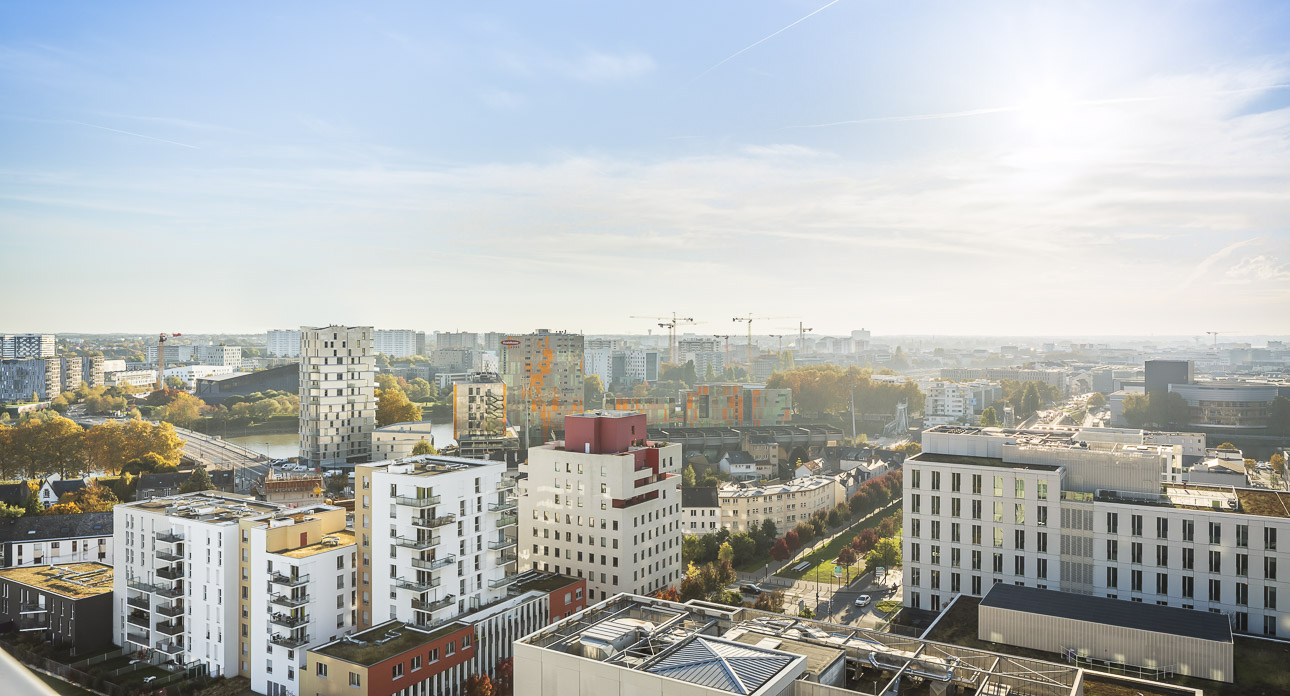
x=744 y=547
x=806 y=613
x=988 y=418
x=385 y=380
x=34 y=506
x=593 y=391
x=687 y=477
x=1135 y=410
x=504 y=684
x=1096 y=400
x=791 y=540
x=198 y=481
x=846 y=557
x=184 y=409
x=1278 y=463
x=423 y=446
x=834 y=519
x=419 y=390
x=726 y=553
x=11 y=511
x=174 y=382
x=886 y=554
x=779 y=551
x=479 y=685
x=770 y=601
x=1227 y=446
x=337 y=483
x=669 y=593
x=393 y=406
x=805 y=532
x=92 y=498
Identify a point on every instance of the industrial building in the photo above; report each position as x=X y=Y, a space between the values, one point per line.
x=215 y=389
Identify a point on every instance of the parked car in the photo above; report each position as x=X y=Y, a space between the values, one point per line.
x=749 y=588
x=863 y=600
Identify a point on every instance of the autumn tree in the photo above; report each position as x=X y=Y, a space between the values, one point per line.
x=779 y=551
x=669 y=593
x=199 y=480
x=504 y=683
x=393 y=406
x=183 y=410
x=1096 y=400
x=593 y=391
x=423 y=446
x=725 y=553
x=791 y=540
x=92 y=498
x=420 y=390
x=770 y=601
x=479 y=685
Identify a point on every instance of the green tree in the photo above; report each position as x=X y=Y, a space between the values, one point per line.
x=1096 y=400
x=419 y=390
x=1135 y=410
x=726 y=553
x=423 y=446
x=34 y=506
x=198 y=481
x=11 y=511
x=687 y=477
x=593 y=391
x=988 y=418
x=770 y=601
x=174 y=382
x=393 y=406
x=885 y=554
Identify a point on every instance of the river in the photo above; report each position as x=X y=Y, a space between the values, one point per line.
x=284 y=445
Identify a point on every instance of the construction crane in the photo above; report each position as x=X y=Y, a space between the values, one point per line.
x=670 y=323
x=750 y=319
x=801 y=333
x=161 y=358
x=780 y=338
x=1215 y=335
x=727 y=340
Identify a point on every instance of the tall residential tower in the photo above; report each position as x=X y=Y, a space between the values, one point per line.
x=337 y=395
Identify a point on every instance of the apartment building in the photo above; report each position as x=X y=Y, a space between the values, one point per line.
x=18 y=346
x=283 y=343
x=946 y=402
x=436 y=537
x=735 y=405
x=1053 y=378
x=604 y=505
x=303 y=587
x=337 y=395
x=479 y=406
x=456 y=339
x=746 y=506
x=396 y=343
x=700 y=510
x=1108 y=519
x=221 y=355
x=658 y=410
x=397 y=440
x=543 y=376
x=69 y=372
x=21 y=378
x=56 y=539
x=191 y=373
x=66 y=605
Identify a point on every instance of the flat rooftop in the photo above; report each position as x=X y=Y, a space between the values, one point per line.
x=1208 y=497
x=1141 y=616
x=432 y=465
x=384 y=641
x=966 y=460
x=807 y=483
x=541 y=581
x=208 y=507
x=330 y=542
x=74 y=580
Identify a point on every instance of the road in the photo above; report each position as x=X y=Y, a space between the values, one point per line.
x=207 y=450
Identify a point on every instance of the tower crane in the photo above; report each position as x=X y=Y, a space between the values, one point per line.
x=727 y=339
x=670 y=323
x=750 y=319
x=1215 y=335
x=780 y=339
x=801 y=333
x=161 y=358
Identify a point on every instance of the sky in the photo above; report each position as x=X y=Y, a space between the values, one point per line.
x=1056 y=168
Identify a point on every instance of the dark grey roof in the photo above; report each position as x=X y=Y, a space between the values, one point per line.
x=50 y=527
x=937 y=458
x=739 y=457
x=14 y=493
x=221 y=477
x=161 y=481
x=721 y=664
x=1111 y=612
x=62 y=487
x=699 y=497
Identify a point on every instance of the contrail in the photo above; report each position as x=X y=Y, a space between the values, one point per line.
x=137 y=135
x=762 y=40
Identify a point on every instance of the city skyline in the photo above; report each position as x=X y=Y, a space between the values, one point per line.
x=872 y=162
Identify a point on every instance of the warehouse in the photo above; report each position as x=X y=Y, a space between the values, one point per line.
x=1149 y=636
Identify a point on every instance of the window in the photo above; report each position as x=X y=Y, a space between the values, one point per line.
x=1019 y=513
x=1242 y=593
x=354 y=679
x=1041 y=518
x=1189 y=530
x=998 y=511
x=1041 y=490
x=1113 y=522
x=956 y=507
x=396 y=671
x=1019 y=539
x=1269 y=597
x=1135 y=552
x=998 y=486
x=976 y=488
x=1041 y=568
x=1112 y=577
x=1215 y=533
x=1162 y=528
x=1188 y=559
x=1112 y=550
x=1242 y=535
x=1135 y=523
x=976 y=509
x=916 y=478
x=1242 y=564
x=936 y=480
x=416 y=663
x=1215 y=591
x=1019 y=488
x=1215 y=561
x=954 y=482
x=320 y=669
x=1270 y=538
x=1188 y=587
x=1162 y=556
x=1270 y=568
x=1162 y=583
x=1135 y=580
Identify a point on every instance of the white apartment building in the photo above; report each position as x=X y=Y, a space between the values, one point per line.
x=224 y=356
x=308 y=562
x=946 y=402
x=396 y=343
x=337 y=395
x=23 y=377
x=436 y=537
x=599 y=362
x=1110 y=519
x=745 y=506
x=138 y=380
x=641 y=366
x=604 y=504
x=175 y=353
x=283 y=343
x=397 y=440
x=18 y=346
x=689 y=349
x=191 y=373
x=56 y=539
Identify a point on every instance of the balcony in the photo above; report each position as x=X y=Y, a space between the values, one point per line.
x=141 y=586
x=416 y=502
x=168 y=648
x=434 y=563
x=138 y=638
x=509 y=556
x=507 y=506
x=289 y=601
x=176 y=593
x=507 y=520
x=288 y=580
x=417 y=585
x=505 y=484
x=417 y=544
x=289 y=620
x=290 y=640
x=32 y=608
x=171 y=629
x=171 y=610
x=36 y=622
x=143 y=603
x=501 y=544
x=168 y=557
x=137 y=619
x=433 y=522
x=172 y=573
x=170 y=537
x=435 y=605
x=503 y=581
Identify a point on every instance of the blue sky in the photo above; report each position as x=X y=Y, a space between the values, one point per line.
x=930 y=168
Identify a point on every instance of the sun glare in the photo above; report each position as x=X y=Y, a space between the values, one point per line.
x=1047 y=112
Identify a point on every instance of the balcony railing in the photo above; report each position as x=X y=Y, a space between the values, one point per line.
x=434 y=605
x=138 y=638
x=170 y=537
x=289 y=580
x=172 y=610
x=505 y=484
x=434 y=563
x=141 y=586
x=417 y=585
x=289 y=640
x=408 y=501
x=168 y=593
x=31 y=608
x=433 y=522
x=289 y=620
x=289 y=601
x=139 y=603
x=503 y=581
x=168 y=557
x=507 y=520
x=171 y=629
x=501 y=544
x=507 y=506
x=171 y=573
x=140 y=620
x=168 y=648
x=417 y=544
x=36 y=622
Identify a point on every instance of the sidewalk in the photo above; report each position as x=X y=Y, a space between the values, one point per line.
x=768 y=576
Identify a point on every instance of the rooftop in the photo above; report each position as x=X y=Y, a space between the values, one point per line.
x=541 y=581
x=208 y=506
x=50 y=527
x=1211 y=497
x=935 y=458
x=384 y=641
x=744 y=490
x=75 y=580
x=433 y=465
x=1111 y=612
x=330 y=542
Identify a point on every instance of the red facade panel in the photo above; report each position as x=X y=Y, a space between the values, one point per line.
x=380 y=676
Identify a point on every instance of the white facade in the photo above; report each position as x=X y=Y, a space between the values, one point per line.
x=642 y=366
x=337 y=395
x=594 y=516
x=946 y=402
x=397 y=440
x=599 y=362
x=191 y=373
x=18 y=346
x=224 y=356
x=396 y=343
x=138 y=379
x=744 y=507
x=442 y=537
x=283 y=343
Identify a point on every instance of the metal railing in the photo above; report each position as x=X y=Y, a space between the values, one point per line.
x=289 y=601
x=31 y=608
x=140 y=620
x=171 y=573
x=434 y=563
x=508 y=505
x=500 y=544
x=288 y=620
x=417 y=544
x=434 y=605
x=169 y=648
x=170 y=537
x=175 y=609
x=168 y=557
x=137 y=638
x=503 y=581
x=139 y=602
x=290 y=640
x=33 y=623
x=433 y=522
x=507 y=520
x=408 y=501
x=171 y=629
x=288 y=580
x=417 y=585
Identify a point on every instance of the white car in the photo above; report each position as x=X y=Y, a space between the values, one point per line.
x=863 y=600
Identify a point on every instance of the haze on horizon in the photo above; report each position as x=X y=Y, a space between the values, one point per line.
x=960 y=169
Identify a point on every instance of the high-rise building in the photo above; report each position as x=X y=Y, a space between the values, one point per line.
x=283 y=343
x=337 y=395
x=70 y=372
x=604 y=504
x=421 y=343
x=22 y=378
x=456 y=339
x=479 y=407
x=92 y=370
x=436 y=537
x=18 y=346
x=946 y=402
x=735 y=405
x=396 y=343
x=642 y=366
x=221 y=355
x=1162 y=373
x=543 y=376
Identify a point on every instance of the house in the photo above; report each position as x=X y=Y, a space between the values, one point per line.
x=15 y=494
x=812 y=468
x=159 y=485
x=700 y=510
x=223 y=480
x=51 y=490
x=293 y=489
x=46 y=539
x=740 y=465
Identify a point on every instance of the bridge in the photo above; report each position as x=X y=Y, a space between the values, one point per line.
x=215 y=453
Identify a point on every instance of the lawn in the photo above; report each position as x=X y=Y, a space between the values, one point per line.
x=62 y=687
x=821 y=559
